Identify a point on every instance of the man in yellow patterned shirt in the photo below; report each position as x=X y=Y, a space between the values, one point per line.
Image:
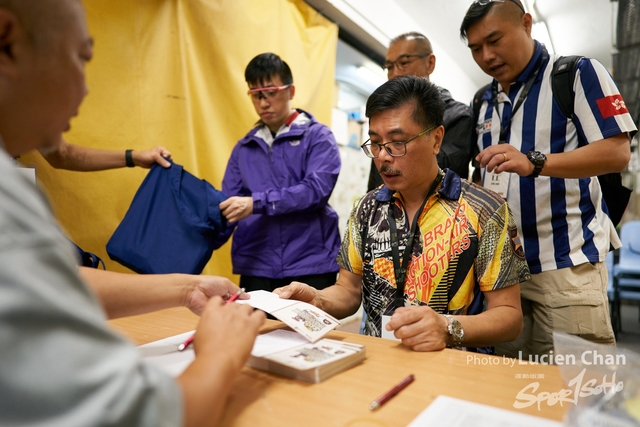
x=435 y=260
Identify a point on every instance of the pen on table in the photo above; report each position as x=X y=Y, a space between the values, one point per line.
x=189 y=340
x=395 y=390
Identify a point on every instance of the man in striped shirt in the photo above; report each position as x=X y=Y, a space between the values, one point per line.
x=545 y=165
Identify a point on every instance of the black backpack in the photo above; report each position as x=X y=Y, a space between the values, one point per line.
x=89 y=259
x=615 y=195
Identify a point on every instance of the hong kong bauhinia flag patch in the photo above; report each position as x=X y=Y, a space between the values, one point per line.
x=611 y=106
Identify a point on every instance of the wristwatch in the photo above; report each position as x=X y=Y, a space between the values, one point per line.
x=538 y=159
x=455 y=330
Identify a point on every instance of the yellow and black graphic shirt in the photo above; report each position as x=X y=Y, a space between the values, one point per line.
x=468 y=244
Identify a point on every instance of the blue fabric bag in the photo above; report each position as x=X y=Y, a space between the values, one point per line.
x=171 y=224
x=88 y=259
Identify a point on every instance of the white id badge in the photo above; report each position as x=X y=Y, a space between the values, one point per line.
x=498 y=182
x=387 y=334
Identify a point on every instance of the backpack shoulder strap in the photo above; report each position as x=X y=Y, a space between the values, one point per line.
x=562 y=79
x=477 y=102
x=475 y=106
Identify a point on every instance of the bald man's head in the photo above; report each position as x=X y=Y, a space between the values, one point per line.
x=511 y=10
x=42 y=20
x=410 y=54
x=421 y=42
x=44 y=46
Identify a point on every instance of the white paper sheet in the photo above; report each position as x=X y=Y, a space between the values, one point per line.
x=306 y=319
x=266 y=301
x=275 y=341
x=451 y=412
x=165 y=355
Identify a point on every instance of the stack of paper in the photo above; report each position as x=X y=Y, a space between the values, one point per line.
x=287 y=353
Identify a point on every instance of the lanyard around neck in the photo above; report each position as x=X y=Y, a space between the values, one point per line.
x=504 y=130
x=401 y=271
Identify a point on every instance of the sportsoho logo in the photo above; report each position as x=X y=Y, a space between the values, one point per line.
x=577 y=388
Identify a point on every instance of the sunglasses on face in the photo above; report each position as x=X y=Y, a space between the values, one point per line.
x=266 y=92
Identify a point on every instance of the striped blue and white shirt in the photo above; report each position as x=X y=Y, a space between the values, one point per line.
x=561 y=220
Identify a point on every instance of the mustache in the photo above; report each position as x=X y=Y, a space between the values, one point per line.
x=386 y=169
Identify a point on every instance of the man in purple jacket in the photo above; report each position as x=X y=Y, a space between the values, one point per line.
x=279 y=179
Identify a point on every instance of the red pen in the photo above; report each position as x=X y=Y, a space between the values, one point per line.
x=231 y=299
x=395 y=390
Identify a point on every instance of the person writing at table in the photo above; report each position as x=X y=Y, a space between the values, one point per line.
x=427 y=250
x=61 y=364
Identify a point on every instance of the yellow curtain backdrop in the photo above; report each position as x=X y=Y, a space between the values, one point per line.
x=171 y=73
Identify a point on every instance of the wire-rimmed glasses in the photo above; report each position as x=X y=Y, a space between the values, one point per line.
x=403 y=61
x=395 y=149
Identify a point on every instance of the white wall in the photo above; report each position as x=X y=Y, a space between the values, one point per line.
x=391 y=20
x=376 y=22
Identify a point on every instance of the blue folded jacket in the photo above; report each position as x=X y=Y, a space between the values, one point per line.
x=171 y=224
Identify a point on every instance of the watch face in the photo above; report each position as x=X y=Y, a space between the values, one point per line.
x=455 y=329
x=537 y=158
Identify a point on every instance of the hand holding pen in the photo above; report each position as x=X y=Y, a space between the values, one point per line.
x=189 y=340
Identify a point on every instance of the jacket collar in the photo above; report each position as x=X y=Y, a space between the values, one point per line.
x=295 y=130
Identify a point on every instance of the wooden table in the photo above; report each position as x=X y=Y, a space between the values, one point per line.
x=263 y=399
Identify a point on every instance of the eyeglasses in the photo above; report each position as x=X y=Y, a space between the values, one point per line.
x=266 y=92
x=403 y=61
x=486 y=2
x=395 y=149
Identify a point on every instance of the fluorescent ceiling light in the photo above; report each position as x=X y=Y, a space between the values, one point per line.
x=540 y=32
x=360 y=20
x=372 y=74
x=530 y=6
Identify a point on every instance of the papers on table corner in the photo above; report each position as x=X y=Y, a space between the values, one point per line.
x=452 y=412
x=309 y=323
x=165 y=355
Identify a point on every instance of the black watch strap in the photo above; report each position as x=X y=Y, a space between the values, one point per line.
x=536 y=171
x=128 y=158
x=538 y=160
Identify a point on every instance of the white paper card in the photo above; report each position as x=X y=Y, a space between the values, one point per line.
x=498 y=182
x=306 y=319
x=266 y=301
x=313 y=355
x=387 y=334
